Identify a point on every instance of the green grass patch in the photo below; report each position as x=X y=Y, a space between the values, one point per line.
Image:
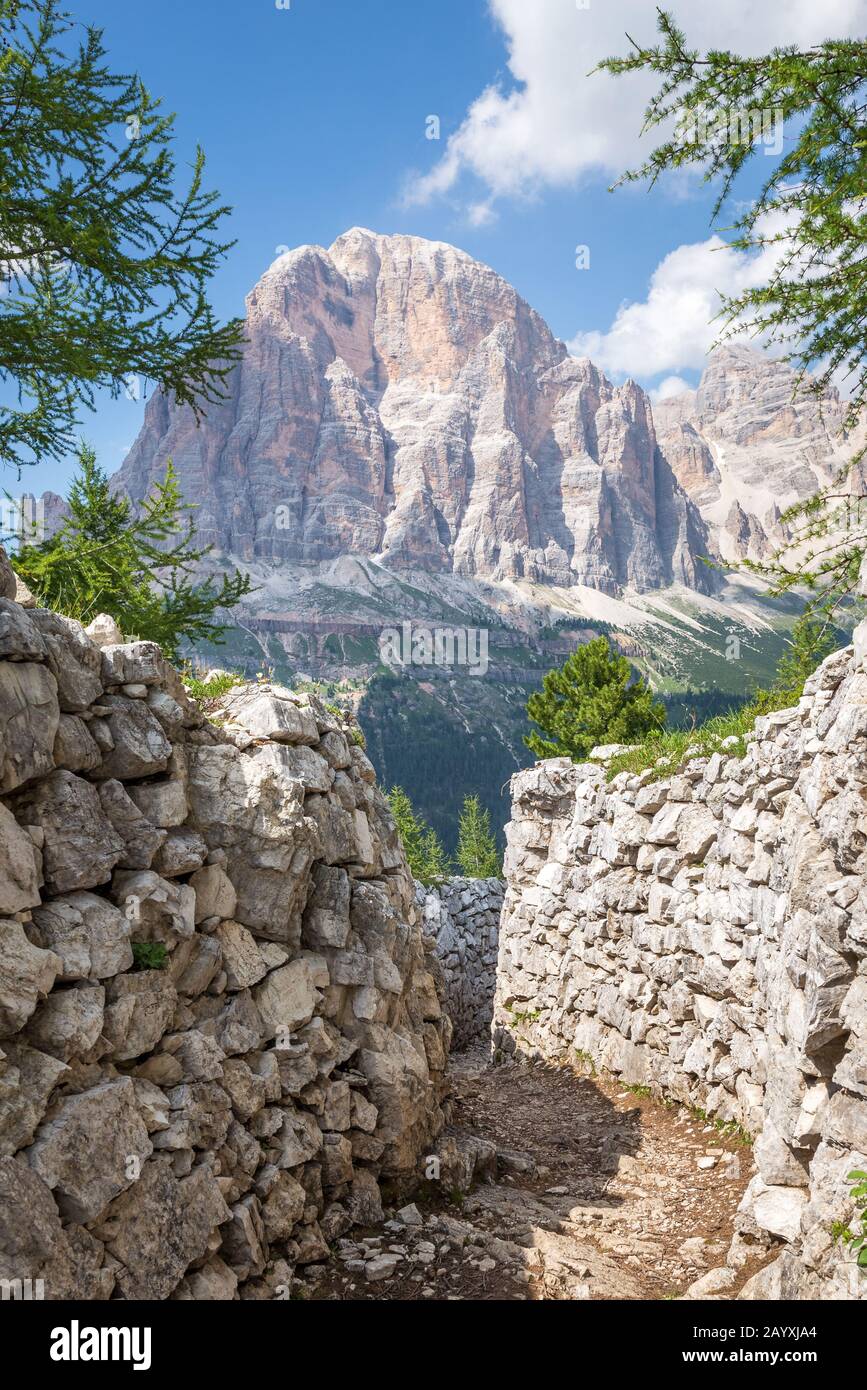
x=149 y=955
x=729 y=1129
x=586 y=1060
x=200 y=690
x=672 y=748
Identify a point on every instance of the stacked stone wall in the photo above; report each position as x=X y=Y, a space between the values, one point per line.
x=219 y=1027
x=703 y=931
x=462 y=919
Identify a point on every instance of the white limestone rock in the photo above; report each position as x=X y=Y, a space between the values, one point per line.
x=84 y=1150
x=80 y=847
x=104 y=631
x=27 y=973
x=20 y=866
x=29 y=720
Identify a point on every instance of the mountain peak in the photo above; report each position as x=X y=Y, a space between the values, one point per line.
x=399 y=401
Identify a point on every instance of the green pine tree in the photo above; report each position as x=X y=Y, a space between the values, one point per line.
x=436 y=864
x=810 y=210
x=477 y=846
x=589 y=700
x=427 y=859
x=813 y=639
x=104 y=265
x=139 y=568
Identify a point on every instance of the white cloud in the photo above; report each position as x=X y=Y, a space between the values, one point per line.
x=673 y=328
x=553 y=123
x=481 y=214
x=668 y=387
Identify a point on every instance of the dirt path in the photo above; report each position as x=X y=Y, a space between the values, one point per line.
x=600 y=1192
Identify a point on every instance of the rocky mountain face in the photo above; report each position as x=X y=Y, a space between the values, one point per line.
x=744 y=450
x=397 y=399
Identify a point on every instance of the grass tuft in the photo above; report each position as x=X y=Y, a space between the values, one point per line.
x=727 y=733
x=200 y=690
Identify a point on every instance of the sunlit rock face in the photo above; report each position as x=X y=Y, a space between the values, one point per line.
x=398 y=399
x=748 y=443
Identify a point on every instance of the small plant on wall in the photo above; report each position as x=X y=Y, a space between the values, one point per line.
x=856 y=1240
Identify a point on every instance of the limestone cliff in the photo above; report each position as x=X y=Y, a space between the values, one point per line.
x=399 y=400
x=747 y=443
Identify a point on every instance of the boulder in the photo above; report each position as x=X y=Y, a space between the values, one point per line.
x=194 y=963
x=199 y=1119
x=139 y=1009
x=157 y=909
x=215 y=1282
x=81 y=846
x=140 y=749
x=326 y=917
x=72 y=658
x=182 y=852
x=69 y=1023
x=157 y=1229
x=283 y=1208
x=88 y=934
x=244 y=1246
x=299 y=1139
x=162 y=803
x=133 y=663
x=287 y=998
x=27 y=973
x=26 y=1085
x=215 y=894
x=270 y=712
x=74 y=746
x=29 y=1220
x=104 y=631
x=29 y=720
x=20 y=864
x=140 y=836
x=242 y=960
x=23 y=595
x=364 y=1202
x=20 y=639
x=91 y=1148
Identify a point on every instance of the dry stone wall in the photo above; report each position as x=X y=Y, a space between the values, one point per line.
x=705 y=933
x=219 y=1028
x=462 y=920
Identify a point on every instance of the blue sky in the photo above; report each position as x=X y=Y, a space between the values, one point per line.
x=314 y=118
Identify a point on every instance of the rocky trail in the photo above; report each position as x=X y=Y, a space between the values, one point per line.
x=582 y=1190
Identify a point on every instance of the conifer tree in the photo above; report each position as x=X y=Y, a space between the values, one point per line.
x=427 y=859
x=813 y=639
x=590 y=700
x=436 y=864
x=104 y=262
x=138 y=567
x=477 y=845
